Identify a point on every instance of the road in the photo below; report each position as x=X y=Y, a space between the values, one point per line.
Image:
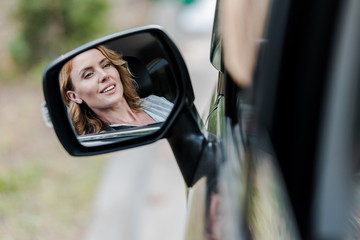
x=142 y=194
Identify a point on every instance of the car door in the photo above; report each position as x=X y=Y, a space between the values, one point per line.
x=287 y=142
x=243 y=196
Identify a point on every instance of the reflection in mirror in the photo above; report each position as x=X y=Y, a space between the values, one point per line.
x=111 y=97
x=123 y=133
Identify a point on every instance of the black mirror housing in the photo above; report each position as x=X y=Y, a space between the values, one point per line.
x=149 y=44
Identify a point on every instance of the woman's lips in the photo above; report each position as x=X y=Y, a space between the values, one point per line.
x=108 y=88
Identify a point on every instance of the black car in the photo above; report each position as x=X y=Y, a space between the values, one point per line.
x=277 y=156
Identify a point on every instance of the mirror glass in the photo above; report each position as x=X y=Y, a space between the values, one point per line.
x=117 y=89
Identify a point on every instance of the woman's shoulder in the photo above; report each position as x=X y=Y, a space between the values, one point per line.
x=157 y=107
x=157 y=100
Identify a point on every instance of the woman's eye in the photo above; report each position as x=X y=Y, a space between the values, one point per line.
x=88 y=75
x=107 y=65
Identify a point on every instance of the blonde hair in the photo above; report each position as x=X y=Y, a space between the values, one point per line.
x=83 y=118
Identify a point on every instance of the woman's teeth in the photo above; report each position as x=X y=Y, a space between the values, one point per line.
x=109 y=88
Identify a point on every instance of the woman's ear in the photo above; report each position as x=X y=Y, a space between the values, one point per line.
x=73 y=96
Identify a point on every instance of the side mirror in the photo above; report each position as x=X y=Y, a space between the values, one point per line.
x=80 y=88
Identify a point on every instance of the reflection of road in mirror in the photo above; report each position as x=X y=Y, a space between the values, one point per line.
x=98 y=87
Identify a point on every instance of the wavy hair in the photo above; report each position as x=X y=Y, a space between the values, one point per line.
x=83 y=118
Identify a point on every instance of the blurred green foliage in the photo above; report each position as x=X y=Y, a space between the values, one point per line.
x=49 y=28
x=19 y=179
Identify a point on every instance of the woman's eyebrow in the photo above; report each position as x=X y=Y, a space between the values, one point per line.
x=88 y=68
x=103 y=60
x=84 y=69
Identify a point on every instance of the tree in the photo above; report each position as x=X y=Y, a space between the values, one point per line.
x=49 y=28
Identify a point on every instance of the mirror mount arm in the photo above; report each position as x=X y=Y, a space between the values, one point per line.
x=192 y=146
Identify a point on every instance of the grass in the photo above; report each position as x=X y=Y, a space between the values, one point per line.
x=44 y=192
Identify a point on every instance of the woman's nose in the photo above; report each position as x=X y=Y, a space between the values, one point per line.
x=103 y=76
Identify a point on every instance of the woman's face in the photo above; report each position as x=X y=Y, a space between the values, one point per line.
x=96 y=81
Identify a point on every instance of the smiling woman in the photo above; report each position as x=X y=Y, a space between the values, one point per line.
x=98 y=88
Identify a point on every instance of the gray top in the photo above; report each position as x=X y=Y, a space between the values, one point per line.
x=158 y=108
